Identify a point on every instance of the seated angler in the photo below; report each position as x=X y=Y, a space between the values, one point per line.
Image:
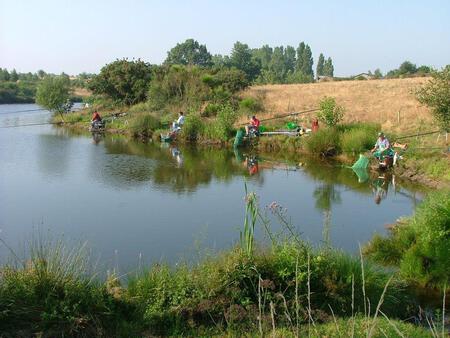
x=253 y=126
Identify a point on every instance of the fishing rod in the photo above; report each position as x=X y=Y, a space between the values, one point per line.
x=24 y=111
x=287 y=115
x=39 y=124
x=416 y=135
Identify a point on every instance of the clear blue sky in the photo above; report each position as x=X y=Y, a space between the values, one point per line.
x=76 y=36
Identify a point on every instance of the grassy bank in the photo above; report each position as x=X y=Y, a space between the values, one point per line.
x=419 y=245
x=289 y=288
x=285 y=289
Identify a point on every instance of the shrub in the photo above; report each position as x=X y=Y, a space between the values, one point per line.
x=192 y=127
x=330 y=113
x=250 y=105
x=221 y=128
x=359 y=139
x=324 y=142
x=211 y=110
x=142 y=107
x=144 y=125
x=123 y=81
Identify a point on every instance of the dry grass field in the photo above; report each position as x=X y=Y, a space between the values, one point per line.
x=390 y=102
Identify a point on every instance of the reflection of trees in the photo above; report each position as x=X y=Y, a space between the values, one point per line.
x=326 y=195
x=157 y=165
x=53 y=153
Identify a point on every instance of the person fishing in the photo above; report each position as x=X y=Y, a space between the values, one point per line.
x=96 y=117
x=383 y=151
x=176 y=125
x=253 y=126
x=315 y=125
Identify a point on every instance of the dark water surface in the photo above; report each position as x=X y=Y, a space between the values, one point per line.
x=131 y=200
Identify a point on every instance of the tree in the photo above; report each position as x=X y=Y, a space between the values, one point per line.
x=330 y=113
x=328 y=68
x=53 y=94
x=4 y=75
x=263 y=55
x=189 y=52
x=242 y=58
x=41 y=73
x=300 y=53
x=407 y=68
x=436 y=95
x=13 y=76
x=304 y=62
x=377 y=73
x=290 y=58
x=124 y=81
x=320 y=65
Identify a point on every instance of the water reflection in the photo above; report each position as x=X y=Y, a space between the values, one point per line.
x=326 y=195
x=53 y=154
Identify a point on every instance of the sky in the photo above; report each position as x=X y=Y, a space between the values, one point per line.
x=359 y=35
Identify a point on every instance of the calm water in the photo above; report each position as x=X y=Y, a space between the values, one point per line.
x=130 y=199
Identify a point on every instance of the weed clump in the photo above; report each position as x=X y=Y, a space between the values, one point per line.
x=325 y=142
x=144 y=125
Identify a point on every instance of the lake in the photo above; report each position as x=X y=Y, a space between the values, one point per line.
x=139 y=203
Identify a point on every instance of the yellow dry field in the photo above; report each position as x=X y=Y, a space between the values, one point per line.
x=390 y=102
x=83 y=92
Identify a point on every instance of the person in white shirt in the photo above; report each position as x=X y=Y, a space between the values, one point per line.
x=176 y=126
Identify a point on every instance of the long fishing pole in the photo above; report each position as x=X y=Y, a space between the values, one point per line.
x=286 y=115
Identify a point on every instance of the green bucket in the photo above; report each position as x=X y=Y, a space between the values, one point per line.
x=291 y=125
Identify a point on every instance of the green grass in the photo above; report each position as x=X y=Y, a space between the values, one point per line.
x=325 y=142
x=420 y=247
x=143 y=125
x=358 y=137
x=54 y=292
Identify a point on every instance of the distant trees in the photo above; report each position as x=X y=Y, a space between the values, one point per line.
x=436 y=95
x=53 y=93
x=408 y=68
x=189 y=52
x=242 y=58
x=124 y=81
x=328 y=68
x=4 y=74
x=261 y=65
x=320 y=65
x=325 y=66
x=305 y=62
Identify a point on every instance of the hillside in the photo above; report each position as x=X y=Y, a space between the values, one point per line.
x=382 y=101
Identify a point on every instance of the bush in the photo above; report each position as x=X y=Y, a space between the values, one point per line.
x=144 y=125
x=250 y=105
x=324 y=142
x=125 y=82
x=193 y=126
x=330 y=113
x=211 y=110
x=359 y=139
x=221 y=129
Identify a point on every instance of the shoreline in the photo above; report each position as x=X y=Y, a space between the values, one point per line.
x=405 y=169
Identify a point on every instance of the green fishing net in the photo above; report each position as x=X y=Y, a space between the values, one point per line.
x=362 y=163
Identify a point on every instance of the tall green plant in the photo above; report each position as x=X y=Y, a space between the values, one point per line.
x=436 y=95
x=247 y=235
x=330 y=113
x=53 y=94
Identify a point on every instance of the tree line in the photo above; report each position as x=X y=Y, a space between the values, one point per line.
x=261 y=65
